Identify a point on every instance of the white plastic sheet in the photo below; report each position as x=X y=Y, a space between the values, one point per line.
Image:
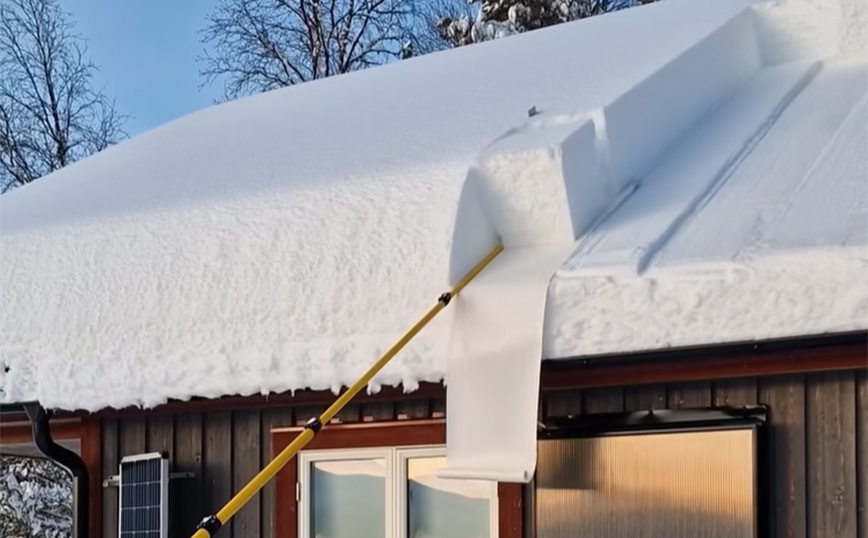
x=494 y=366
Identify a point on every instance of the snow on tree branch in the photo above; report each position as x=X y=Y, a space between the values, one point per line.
x=500 y=18
x=35 y=499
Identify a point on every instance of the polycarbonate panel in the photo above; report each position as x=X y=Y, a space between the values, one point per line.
x=666 y=485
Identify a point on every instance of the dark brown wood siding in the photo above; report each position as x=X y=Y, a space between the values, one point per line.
x=818 y=440
x=223 y=449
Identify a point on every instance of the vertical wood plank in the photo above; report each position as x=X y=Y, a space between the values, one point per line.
x=412 y=409
x=438 y=408
x=378 y=411
x=218 y=461
x=188 y=458
x=831 y=413
x=91 y=450
x=349 y=414
x=689 y=395
x=735 y=392
x=286 y=508
x=132 y=436
x=645 y=397
x=862 y=450
x=562 y=403
x=279 y=417
x=304 y=413
x=271 y=418
x=247 y=453
x=161 y=434
x=110 y=460
x=528 y=515
x=785 y=397
x=510 y=510
x=608 y=400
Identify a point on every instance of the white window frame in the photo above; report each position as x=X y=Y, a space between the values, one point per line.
x=396 y=483
x=305 y=461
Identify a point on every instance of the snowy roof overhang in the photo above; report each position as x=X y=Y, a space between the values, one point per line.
x=709 y=186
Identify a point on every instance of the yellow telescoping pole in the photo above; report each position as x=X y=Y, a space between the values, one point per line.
x=211 y=524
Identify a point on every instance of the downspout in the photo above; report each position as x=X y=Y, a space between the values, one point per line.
x=66 y=458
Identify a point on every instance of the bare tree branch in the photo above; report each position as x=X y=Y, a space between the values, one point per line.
x=260 y=45
x=50 y=116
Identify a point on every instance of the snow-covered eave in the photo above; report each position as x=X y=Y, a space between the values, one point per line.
x=711 y=304
x=722 y=348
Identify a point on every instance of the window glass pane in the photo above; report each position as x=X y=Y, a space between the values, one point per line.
x=348 y=499
x=445 y=508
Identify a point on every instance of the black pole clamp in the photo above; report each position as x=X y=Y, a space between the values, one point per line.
x=445 y=298
x=211 y=524
x=313 y=424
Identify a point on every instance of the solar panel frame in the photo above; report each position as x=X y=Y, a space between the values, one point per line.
x=143 y=510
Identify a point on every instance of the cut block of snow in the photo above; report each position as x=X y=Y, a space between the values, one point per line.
x=538 y=188
x=674 y=188
x=543 y=184
x=652 y=115
x=806 y=187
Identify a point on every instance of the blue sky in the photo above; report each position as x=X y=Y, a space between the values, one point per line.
x=146 y=54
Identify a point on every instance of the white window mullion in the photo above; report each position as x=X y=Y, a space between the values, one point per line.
x=390 y=495
x=401 y=497
x=304 y=497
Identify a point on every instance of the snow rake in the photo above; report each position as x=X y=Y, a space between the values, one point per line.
x=212 y=523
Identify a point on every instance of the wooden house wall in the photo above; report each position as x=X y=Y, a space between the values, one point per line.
x=819 y=432
x=224 y=450
x=819 y=441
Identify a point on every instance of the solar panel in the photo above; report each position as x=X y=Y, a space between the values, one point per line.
x=144 y=492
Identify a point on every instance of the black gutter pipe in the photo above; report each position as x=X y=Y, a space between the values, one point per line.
x=66 y=458
x=11 y=408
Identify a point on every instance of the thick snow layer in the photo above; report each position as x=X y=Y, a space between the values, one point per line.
x=283 y=241
x=818 y=28
x=755 y=227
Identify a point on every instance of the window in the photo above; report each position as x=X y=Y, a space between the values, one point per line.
x=434 y=507
x=393 y=493
x=396 y=461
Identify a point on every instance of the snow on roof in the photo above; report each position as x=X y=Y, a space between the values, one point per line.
x=283 y=241
x=754 y=227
